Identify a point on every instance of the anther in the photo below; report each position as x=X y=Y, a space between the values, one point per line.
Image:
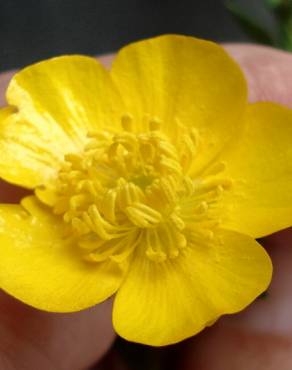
x=202 y=207
x=127 y=122
x=194 y=134
x=216 y=168
x=154 y=124
x=142 y=215
x=73 y=158
x=156 y=256
x=173 y=253
x=108 y=205
x=177 y=221
x=219 y=190
x=80 y=226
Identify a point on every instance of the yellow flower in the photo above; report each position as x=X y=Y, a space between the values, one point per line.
x=151 y=180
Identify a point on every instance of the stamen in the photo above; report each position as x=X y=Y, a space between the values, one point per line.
x=131 y=189
x=154 y=124
x=108 y=205
x=217 y=168
x=127 y=122
x=153 y=246
x=202 y=208
x=167 y=189
x=168 y=165
x=142 y=215
x=177 y=221
x=80 y=226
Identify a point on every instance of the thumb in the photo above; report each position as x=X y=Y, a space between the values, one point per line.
x=260 y=337
x=268 y=72
x=32 y=339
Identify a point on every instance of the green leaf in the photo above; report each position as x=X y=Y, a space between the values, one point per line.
x=249 y=25
x=273 y=3
x=286 y=28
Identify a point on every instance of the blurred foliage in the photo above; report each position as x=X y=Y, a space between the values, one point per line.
x=280 y=13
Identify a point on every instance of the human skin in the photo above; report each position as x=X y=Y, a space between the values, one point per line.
x=259 y=338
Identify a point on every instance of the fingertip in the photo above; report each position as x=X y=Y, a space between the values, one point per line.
x=10 y=193
x=258 y=338
x=268 y=72
x=223 y=348
x=33 y=339
x=106 y=60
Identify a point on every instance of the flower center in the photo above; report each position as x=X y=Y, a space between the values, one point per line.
x=128 y=190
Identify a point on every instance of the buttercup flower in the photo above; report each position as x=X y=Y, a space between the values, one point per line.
x=150 y=181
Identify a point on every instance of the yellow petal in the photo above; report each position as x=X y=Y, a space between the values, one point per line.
x=163 y=303
x=25 y=159
x=58 y=101
x=260 y=164
x=41 y=268
x=186 y=80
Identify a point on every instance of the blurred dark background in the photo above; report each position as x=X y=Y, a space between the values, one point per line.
x=31 y=30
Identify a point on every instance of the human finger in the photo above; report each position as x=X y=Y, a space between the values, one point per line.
x=32 y=339
x=260 y=337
